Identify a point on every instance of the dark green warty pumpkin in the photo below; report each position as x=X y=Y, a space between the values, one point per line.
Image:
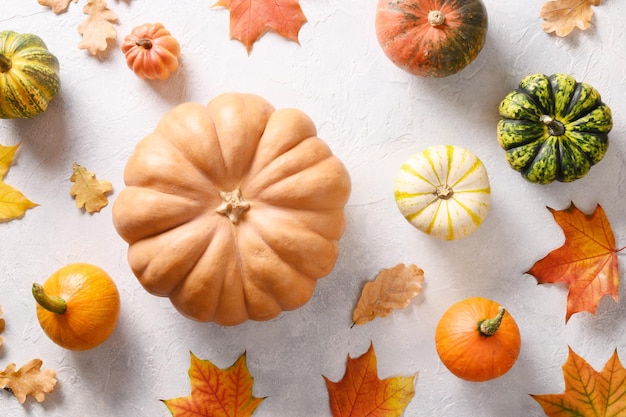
x=29 y=75
x=553 y=128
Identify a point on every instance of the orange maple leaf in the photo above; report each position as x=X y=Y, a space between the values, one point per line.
x=587 y=262
x=360 y=393
x=216 y=392
x=588 y=392
x=251 y=19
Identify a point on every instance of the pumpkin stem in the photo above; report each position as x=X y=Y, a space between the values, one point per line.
x=5 y=63
x=144 y=43
x=555 y=128
x=489 y=327
x=233 y=205
x=444 y=191
x=51 y=303
x=436 y=18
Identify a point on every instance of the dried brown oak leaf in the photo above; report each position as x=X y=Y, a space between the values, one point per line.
x=28 y=380
x=562 y=16
x=392 y=289
x=98 y=28
x=90 y=193
x=57 y=6
x=1 y=326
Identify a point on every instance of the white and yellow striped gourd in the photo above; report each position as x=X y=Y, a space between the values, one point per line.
x=443 y=191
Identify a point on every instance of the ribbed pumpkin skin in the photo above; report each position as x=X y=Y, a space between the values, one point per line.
x=443 y=191
x=32 y=80
x=183 y=246
x=151 y=51
x=554 y=128
x=418 y=47
x=93 y=307
x=469 y=354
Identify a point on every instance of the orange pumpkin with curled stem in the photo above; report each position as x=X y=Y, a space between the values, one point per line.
x=151 y=51
x=78 y=306
x=477 y=340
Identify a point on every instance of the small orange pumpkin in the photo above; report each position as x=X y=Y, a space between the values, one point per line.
x=477 y=340
x=151 y=51
x=78 y=306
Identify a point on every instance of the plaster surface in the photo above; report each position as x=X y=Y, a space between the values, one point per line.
x=373 y=115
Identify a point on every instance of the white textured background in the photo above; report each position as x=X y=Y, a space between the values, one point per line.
x=374 y=116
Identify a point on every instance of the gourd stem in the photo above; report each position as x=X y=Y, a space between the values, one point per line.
x=444 y=192
x=144 y=43
x=489 y=327
x=555 y=128
x=5 y=63
x=233 y=205
x=51 y=303
x=436 y=18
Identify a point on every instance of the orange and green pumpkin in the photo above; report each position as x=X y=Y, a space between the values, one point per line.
x=431 y=38
x=553 y=128
x=29 y=75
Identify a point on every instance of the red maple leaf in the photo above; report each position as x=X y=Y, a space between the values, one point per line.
x=251 y=19
x=360 y=393
x=587 y=262
x=216 y=392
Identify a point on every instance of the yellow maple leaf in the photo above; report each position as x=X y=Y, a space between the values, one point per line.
x=57 y=6
x=360 y=393
x=392 y=289
x=28 y=380
x=587 y=391
x=7 y=154
x=98 y=28
x=563 y=16
x=216 y=392
x=90 y=193
x=13 y=204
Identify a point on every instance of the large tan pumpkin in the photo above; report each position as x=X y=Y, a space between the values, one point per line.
x=232 y=210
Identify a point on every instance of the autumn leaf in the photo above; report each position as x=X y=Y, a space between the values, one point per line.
x=13 y=204
x=361 y=393
x=587 y=262
x=251 y=19
x=392 y=289
x=90 y=193
x=98 y=28
x=217 y=392
x=588 y=393
x=562 y=16
x=57 y=6
x=28 y=380
x=7 y=154
x=2 y=324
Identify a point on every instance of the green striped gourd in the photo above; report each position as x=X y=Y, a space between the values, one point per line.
x=29 y=75
x=553 y=128
x=443 y=191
